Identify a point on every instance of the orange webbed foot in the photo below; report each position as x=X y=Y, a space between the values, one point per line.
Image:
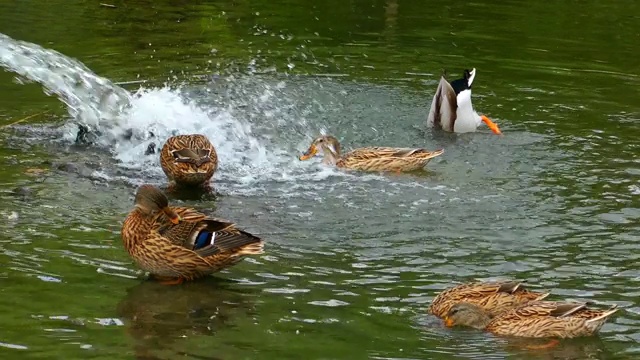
x=169 y=281
x=548 y=345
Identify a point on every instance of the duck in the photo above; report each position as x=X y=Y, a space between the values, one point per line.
x=451 y=108
x=535 y=319
x=493 y=297
x=177 y=244
x=188 y=161
x=377 y=159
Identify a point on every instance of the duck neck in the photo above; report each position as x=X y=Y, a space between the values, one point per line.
x=481 y=321
x=330 y=158
x=140 y=221
x=476 y=318
x=331 y=153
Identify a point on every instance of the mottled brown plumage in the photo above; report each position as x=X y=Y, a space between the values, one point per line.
x=188 y=160
x=492 y=297
x=370 y=158
x=536 y=319
x=179 y=243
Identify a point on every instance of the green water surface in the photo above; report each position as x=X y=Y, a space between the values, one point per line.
x=351 y=262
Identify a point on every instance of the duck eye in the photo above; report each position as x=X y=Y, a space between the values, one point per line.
x=453 y=311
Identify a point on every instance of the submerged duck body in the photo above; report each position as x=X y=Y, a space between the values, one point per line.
x=451 y=108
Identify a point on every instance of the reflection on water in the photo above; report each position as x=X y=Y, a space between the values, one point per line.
x=351 y=260
x=157 y=316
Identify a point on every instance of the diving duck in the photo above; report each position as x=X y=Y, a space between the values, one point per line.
x=451 y=108
x=176 y=244
x=536 y=319
x=370 y=158
x=493 y=297
x=188 y=161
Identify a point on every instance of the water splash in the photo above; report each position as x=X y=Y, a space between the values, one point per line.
x=248 y=120
x=90 y=98
x=258 y=124
x=114 y=113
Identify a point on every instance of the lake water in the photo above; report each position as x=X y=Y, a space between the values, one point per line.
x=352 y=260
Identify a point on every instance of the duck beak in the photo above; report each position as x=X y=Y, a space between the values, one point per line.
x=448 y=322
x=172 y=215
x=313 y=150
x=493 y=126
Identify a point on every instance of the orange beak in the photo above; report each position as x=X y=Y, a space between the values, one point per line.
x=493 y=126
x=448 y=322
x=313 y=150
x=172 y=215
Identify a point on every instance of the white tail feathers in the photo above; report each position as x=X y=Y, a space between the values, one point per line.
x=472 y=75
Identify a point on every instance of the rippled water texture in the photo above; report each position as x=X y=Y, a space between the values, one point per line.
x=352 y=260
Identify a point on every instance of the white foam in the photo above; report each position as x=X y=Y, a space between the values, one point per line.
x=247 y=159
x=258 y=127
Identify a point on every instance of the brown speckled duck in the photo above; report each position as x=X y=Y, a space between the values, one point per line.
x=493 y=297
x=176 y=244
x=189 y=161
x=536 y=319
x=370 y=158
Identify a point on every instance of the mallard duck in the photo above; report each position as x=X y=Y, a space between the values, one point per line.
x=451 y=108
x=370 y=158
x=536 y=319
x=179 y=243
x=189 y=160
x=492 y=297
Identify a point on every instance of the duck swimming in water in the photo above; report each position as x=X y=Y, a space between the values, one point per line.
x=189 y=161
x=370 y=158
